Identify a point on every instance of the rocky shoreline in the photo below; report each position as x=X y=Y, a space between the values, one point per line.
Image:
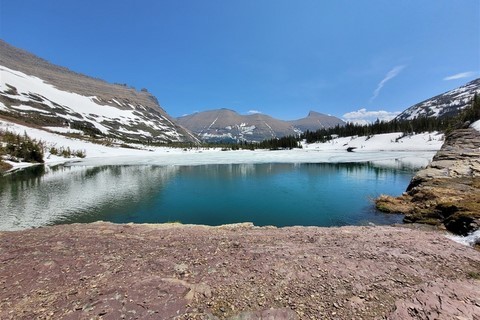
x=172 y=271
x=447 y=192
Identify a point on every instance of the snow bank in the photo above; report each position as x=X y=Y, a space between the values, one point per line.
x=384 y=142
x=63 y=130
x=470 y=240
x=476 y=125
x=386 y=149
x=55 y=140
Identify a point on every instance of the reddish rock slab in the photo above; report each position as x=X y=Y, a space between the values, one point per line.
x=111 y=271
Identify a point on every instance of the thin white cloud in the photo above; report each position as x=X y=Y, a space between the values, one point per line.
x=390 y=75
x=253 y=111
x=460 y=75
x=363 y=116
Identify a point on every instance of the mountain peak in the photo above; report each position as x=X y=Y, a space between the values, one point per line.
x=312 y=113
x=228 y=125
x=315 y=121
x=227 y=110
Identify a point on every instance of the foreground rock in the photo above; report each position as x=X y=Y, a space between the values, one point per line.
x=447 y=192
x=109 y=271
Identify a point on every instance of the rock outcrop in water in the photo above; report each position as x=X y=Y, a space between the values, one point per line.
x=110 y=271
x=447 y=192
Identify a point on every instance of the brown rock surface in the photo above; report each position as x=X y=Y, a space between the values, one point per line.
x=110 y=271
x=447 y=191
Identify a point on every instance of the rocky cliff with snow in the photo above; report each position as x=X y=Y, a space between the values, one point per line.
x=444 y=105
x=41 y=94
x=228 y=125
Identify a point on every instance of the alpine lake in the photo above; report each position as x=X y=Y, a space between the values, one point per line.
x=278 y=194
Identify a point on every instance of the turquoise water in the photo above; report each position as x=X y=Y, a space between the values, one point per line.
x=265 y=194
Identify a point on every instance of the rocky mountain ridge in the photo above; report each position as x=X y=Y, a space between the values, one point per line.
x=40 y=93
x=228 y=125
x=443 y=105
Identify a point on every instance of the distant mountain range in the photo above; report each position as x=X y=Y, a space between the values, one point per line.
x=39 y=93
x=224 y=124
x=444 y=105
x=228 y=125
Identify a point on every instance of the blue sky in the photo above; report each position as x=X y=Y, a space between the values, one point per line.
x=278 y=57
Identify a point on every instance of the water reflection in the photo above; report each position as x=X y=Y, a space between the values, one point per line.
x=266 y=194
x=40 y=196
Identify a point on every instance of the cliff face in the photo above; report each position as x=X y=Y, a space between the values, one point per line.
x=447 y=192
x=109 y=271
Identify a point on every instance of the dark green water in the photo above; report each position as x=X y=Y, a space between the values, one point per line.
x=265 y=194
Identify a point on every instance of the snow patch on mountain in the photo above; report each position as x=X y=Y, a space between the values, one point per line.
x=447 y=104
x=30 y=95
x=225 y=124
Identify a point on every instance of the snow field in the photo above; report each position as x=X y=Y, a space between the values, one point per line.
x=416 y=150
x=476 y=125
